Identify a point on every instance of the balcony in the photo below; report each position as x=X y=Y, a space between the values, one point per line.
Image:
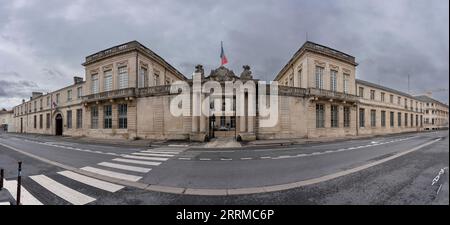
x=154 y=90
x=107 y=95
x=332 y=95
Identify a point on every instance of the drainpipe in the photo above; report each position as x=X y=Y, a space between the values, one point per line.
x=136 y=91
x=357 y=120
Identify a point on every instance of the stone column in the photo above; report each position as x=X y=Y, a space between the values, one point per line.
x=202 y=116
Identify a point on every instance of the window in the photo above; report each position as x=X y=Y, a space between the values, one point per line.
x=300 y=78
x=57 y=98
x=361 y=92
x=382 y=96
x=373 y=118
x=412 y=120
x=79 y=92
x=383 y=118
x=361 y=118
x=107 y=80
x=156 y=79
x=319 y=77
x=333 y=80
x=35 y=122
x=391 y=119
x=69 y=95
x=79 y=118
x=143 y=79
x=69 y=119
x=391 y=99
x=406 y=103
x=35 y=106
x=346 y=79
x=41 y=121
x=346 y=116
x=167 y=81
x=406 y=119
x=123 y=77
x=334 y=116
x=320 y=116
x=47 y=122
x=122 y=116
x=94 y=117
x=372 y=94
x=421 y=120
x=291 y=80
x=417 y=120
x=40 y=103
x=222 y=121
x=48 y=101
x=399 y=100
x=233 y=122
x=94 y=84
x=107 y=120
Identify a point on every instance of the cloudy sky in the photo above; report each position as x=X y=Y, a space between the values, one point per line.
x=43 y=43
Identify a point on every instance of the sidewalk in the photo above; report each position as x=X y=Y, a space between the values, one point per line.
x=119 y=142
x=292 y=141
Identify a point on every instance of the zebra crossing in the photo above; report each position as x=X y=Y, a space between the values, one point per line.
x=67 y=187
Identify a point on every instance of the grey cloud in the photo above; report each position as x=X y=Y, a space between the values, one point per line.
x=389 y=39
x=17 y=89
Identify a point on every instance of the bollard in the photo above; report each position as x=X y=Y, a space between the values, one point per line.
x=1 y=179
x=19 y=183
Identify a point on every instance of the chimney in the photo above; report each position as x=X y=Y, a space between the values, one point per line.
x=77 y=80
x=23 y=100
x=429 y=93
x=35 y=94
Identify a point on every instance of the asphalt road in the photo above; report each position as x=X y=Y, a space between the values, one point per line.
x=403 y=180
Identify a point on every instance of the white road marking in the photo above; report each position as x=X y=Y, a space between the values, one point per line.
x=62 y=191
x=137 y=162
x=152 y=154
x=301 y=155
x=145 y=158
x=204 y=159
x=112 y=174
x=283 y=157
x=160 y=152
x=265 y=157
x=107 y=186
x=5 y=203
x=185 y=158
x=224 y=159
x=125 y=167
x=25 y=198
x=248 y=158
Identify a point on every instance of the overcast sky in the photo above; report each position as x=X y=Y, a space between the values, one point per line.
x=43 y=43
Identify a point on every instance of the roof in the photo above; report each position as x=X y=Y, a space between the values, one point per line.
x=128 y=47
x=367 y=83
x=425 y=98
x=320 y=49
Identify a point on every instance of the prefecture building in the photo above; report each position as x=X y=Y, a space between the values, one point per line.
x=126 y=94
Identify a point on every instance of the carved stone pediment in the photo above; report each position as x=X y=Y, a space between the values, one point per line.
x=222 y=74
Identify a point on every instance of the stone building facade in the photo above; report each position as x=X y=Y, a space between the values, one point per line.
x=6 y=120
x=435 y=113
x=126 y=93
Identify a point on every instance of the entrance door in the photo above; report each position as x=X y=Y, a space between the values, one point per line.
x=58 y=125
x=212 y=120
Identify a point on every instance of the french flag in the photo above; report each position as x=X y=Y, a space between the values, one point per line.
x=223 y=58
